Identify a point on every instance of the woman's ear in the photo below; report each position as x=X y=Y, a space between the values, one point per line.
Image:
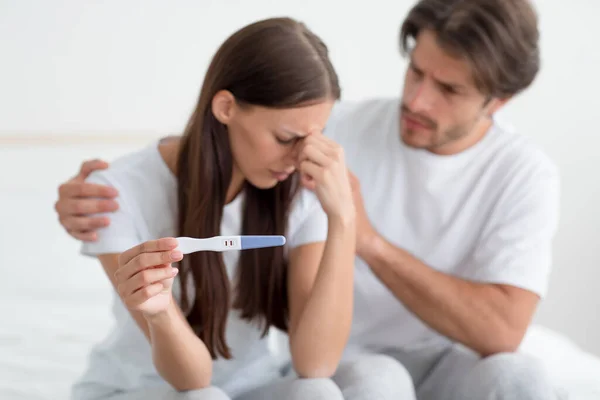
x=223 y=106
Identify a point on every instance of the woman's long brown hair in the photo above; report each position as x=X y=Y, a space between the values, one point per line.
x=274 y=63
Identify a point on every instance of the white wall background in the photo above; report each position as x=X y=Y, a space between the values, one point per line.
x=105 y=71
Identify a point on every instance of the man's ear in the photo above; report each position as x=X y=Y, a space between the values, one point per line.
x=223 y=106
x=494 y=105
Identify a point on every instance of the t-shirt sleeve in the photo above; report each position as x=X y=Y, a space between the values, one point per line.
x=121 y=234
x=515 y=248
x=308 y=221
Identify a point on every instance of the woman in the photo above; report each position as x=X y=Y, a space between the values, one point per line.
x=252 y=160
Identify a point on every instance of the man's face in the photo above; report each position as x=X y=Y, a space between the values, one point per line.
x=441 y=109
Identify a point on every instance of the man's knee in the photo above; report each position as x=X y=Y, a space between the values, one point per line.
x=374 y=376
x=314 y=388
x=511 y=376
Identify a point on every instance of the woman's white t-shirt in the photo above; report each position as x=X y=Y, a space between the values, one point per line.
x=147 y=211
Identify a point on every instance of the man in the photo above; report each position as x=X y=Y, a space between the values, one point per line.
x=456 y=213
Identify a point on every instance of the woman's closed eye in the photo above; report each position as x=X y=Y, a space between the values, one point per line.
x=286 y=141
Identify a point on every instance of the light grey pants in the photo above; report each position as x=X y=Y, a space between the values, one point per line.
x=284 y=388
x=369 y=376
x=374 y=377
x=428 y=373
x=447 y=373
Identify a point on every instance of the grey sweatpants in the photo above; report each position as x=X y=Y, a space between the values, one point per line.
x=427 y=373
x=445 y=373
x=370 y=377
x=284 y=388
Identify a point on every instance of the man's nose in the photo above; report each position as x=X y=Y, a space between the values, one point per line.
x=421 y=98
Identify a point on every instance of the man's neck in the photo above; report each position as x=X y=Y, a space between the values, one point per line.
x=458 y=146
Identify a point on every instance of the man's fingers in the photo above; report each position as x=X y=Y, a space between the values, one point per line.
x=71 y=207
x=75 y=188
x=159 y=245
x=90 y=166
x=84 y=224
x=94 y=190
x=84 y=236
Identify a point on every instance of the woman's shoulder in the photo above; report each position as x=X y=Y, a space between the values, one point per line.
x=136 y=171
x=145 y=191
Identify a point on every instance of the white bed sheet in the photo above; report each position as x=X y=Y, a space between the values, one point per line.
x=575 y=372
x=47 y=330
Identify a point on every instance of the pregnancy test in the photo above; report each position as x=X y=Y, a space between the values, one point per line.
x=189 y=245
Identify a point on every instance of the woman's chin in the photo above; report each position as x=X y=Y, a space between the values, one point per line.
x=264 y=183
x=267 y=181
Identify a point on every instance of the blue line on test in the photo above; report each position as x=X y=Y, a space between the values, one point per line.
x=258 y=241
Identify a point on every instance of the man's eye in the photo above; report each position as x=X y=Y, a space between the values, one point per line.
x=448 y=89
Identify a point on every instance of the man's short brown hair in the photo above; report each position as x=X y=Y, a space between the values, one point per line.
x=499 y=38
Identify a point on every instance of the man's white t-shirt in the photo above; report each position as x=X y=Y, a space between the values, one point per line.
x=487 y=214
x=148 y=211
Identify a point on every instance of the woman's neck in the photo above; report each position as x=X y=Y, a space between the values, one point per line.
x=236 y=184
x=169 y=150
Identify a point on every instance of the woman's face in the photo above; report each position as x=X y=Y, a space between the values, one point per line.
x=264 y=141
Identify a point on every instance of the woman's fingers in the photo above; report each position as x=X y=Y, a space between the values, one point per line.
x=151 y=246
x=310 y=174
x=145 y=271
x=319 y=152
x=143 y=295
x=319 y=159
x=316 y=153
x=317 y=148
x=147 y=277
x=323 y=169
x=147 y=260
